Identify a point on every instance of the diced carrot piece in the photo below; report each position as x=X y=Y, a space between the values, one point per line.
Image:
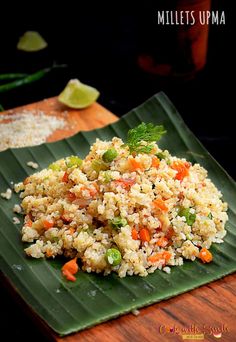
x=70 y=268
x=144 y=235
x=49 y=253
x=26 y=181
x=134 y=234
x=170 y=232
x=48 y=224
x=72 y=230
x=29 y=223
x=165 y=255
x=65 y=177
x=65 y=218
x=68 y=275
x=160 y=204
x=96 y=186
x=125 y=183
x=187 y=164
x=155 y=162
x=135 y=165
x=205 y=255
x=162 y=242
x=92 y=192
x=182 y=169
x=71 y=196
x=154 y=258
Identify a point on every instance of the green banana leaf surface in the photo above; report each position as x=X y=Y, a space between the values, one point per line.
x=68 y=307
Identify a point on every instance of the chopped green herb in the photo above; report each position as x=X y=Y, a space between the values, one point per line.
x=73 y=161
x=113 y=256
x=190 y=218
x=210 y=216
x=144 y=132
x=109 y=155
x=118 y=222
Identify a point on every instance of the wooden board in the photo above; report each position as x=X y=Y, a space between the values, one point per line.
x=209 y=309
x=92 y=117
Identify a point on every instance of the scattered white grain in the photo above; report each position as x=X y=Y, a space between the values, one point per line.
x=27 y=128
x=32 y=164
x=15 y=220
x=17 y=267
x=167 y=269
x=18 y=187
x=17 y=209
x=7 y=195
x=135 y=312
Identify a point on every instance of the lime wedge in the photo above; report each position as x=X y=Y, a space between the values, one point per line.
x=78 y=95
x=31 y=41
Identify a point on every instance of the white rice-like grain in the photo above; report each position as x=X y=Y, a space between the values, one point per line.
x=72 y=209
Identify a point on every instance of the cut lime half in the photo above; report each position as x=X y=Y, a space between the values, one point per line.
x=31 y=41
x=78 y=95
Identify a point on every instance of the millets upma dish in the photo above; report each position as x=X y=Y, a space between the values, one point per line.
x=128 y=207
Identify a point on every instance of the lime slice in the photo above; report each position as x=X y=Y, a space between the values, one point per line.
x=78 y=95
x=31 y=41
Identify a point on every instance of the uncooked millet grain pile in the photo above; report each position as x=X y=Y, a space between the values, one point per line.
x=27 y=128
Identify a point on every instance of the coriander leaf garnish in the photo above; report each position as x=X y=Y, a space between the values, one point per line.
x=144 y=132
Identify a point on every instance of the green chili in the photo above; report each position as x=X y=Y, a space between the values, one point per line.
x=12 y=76
x=190 y=218
x=1 y=108
x=28 y=79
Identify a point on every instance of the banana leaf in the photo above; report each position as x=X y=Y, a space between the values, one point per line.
x=68 y=307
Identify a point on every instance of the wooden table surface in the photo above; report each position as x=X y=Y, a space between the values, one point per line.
x=202 y=313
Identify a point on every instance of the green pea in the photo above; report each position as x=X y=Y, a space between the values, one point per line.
x=118 y=222
x=190 y=218
x=73 y=161
x=54 y=167
x=109 y=155
x=113 y=256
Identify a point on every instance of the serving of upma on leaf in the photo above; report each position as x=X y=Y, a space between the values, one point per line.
x=128 y=207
